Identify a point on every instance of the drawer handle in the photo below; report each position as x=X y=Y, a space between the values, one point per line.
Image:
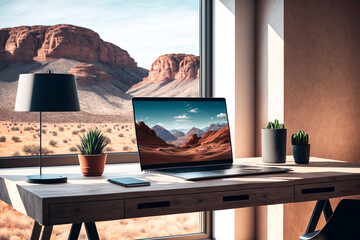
x=317 y=190
x=236 y=198
x=153 y=205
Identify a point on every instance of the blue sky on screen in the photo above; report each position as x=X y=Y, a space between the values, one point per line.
x=146 y=29
x=180 y=114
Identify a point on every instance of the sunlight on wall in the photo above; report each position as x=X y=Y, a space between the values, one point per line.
x=275 y=75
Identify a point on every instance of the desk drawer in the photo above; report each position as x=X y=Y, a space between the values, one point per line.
x=152 y=206
x=320 y=191
x=86 y=211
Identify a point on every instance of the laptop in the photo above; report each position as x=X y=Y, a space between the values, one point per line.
x=188 y=138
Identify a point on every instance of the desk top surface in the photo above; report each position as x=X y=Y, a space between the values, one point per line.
x=94 y=188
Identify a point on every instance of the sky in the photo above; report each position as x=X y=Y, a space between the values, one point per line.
x=144 y=28
x=180 y=114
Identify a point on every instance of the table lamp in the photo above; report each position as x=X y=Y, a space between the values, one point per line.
x=46 y=92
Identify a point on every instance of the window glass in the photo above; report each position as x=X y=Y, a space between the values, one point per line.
x=116 y=50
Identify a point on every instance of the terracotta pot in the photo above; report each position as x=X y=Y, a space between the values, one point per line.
x=92 y=165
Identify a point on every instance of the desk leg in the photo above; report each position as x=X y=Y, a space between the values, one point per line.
x=46 y=234
x=75 y=231
x=327 y=210
x=91 y=231
x=35 y=234
x=321 y=206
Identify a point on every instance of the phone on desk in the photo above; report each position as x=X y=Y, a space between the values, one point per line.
x=129 y=182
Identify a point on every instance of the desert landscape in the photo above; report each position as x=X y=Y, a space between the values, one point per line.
x=107 y=79
x=195 y=145
x=16 y=226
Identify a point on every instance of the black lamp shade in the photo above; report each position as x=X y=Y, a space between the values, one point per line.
x=47 y=92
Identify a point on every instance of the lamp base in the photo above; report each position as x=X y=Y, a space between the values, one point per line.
x=46 y=179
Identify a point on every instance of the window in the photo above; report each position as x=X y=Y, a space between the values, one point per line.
x=116 y=50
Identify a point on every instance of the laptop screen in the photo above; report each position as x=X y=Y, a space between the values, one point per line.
x=181 y=132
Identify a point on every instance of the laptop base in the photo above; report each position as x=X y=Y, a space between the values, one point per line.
x=219 y=171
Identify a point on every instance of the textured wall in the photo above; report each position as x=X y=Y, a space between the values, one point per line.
x=322 y=85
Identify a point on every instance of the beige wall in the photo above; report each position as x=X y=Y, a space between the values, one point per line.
x=322 y=85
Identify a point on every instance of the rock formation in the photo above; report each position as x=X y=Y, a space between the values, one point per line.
x=42 y=43
x=178 y=67
x=89 y=74
x=147 y=137
x=193 y=141
x=219 y=136
x=164 y=134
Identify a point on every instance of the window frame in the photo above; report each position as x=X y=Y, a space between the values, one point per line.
x=205 y=90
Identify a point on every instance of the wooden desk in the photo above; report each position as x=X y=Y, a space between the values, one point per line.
x=91 y=199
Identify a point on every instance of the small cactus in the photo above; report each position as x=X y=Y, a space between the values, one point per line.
x=300 y=138
x=275 y=125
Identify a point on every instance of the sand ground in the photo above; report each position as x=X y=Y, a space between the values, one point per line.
x=16 y=226
x=61 y=138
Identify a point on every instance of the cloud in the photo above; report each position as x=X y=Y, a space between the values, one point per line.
x=160 y=123
x=211 y=118
x=181 y=117
x=195 y=110
x=221 y=115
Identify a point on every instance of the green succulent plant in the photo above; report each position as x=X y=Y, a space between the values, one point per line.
x=275 y=125
x=300 y=138
x=94 y=142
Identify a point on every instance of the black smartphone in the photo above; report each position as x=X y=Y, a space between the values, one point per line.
x=129 y=182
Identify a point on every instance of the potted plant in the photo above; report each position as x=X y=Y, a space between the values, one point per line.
x=300 y=147
x=273 y=142
x=92 y=152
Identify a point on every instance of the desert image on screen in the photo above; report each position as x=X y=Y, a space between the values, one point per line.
x=182 y=131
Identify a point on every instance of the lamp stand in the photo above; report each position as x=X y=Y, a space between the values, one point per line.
x=44 y=178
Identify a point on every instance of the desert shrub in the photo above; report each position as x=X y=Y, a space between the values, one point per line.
x=105 y=125
x=44 y=131
x=75 y=132
x=79 y=126
x=108 y=130
x=16 y=154
x=121 y=135
x=116 y=125
x=53 y=143
x=125 y=148
x=61 y=129
x=15 y=124
x=28 y=128
x=54 y=125
x=16 y=139
x=122 y=127
x=108 y=140
x=73 y=149
x=127 y=129
x=2 y=139
x=15 y=129
x=44 y=125
x=82 y=130
x=32 y=149
x=65 y=141
x=20 y=124
x=133 y=140
x=36 y=135
x=10 y=124
x=54 y=133
x=20 y=132
x=37 y=130
x=109 y=149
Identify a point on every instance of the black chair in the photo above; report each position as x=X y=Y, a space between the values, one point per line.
x=344 y=223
